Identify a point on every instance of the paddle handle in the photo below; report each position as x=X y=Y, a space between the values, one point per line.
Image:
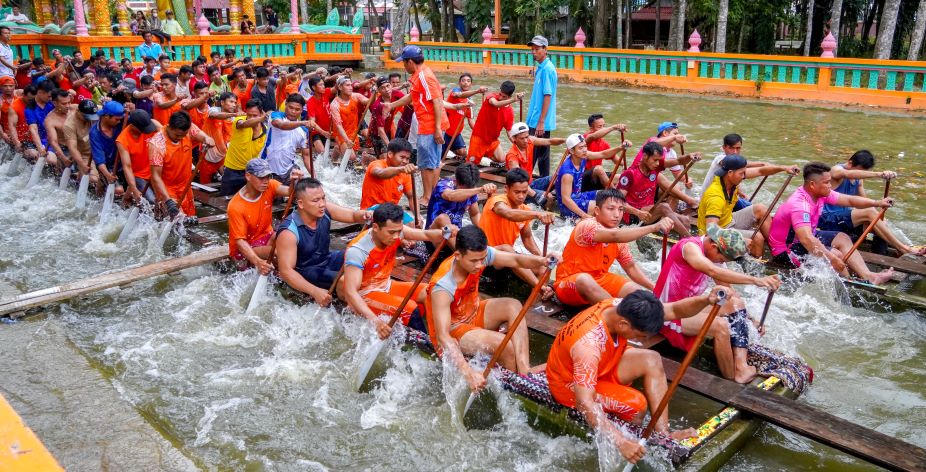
x=768 y=303
x=689 y=357
x=453 y=138
x=289 y=205
x=413 y=205
x=517 y=321
x=521 y=109
x=562 y=159
x=420 y=277
x=665 y=247
x=546 y=237
x=756 y=191
x=311 y=147
x=871 y=226
x=887 y=187
x=772 y=206
x=622 y=164
x=674 y=183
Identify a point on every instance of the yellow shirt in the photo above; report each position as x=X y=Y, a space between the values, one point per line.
x=716 y=203
x=242 y=147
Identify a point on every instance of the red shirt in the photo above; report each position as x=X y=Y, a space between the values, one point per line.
x=639 y=188
x=524 y=160
x=455 y=117
x=595 y=145
x=425 y=88
x=491 y=120
x=317 y=108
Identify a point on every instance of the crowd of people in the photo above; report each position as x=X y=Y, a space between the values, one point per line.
x=257 y=128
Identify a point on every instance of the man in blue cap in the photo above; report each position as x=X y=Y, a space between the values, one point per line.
x=541 y=110
x=103 y=136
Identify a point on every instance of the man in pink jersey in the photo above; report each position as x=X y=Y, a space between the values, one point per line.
x=794 y=230
x=639 y=184
x=689 y=268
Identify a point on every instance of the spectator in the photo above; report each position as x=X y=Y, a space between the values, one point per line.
x=271 y=19
x=247 y=26
x=171 y=26
x=17 y=17
x=7 y=69
x=148 y=48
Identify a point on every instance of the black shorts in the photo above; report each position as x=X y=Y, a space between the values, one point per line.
x=590 y=183
x=232 y=182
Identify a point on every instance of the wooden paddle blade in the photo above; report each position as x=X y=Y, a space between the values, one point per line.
x=65 y=178
x=375 y=357
x=82 y=191
x=36 y=172
x=258 y=294
x=481 y=410
x=130 y=223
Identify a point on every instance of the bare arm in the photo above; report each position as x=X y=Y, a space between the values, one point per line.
x=723 y=276
x=167 y=104
x=346 y=215
x=605 y=130
x=390 y=172
x=440 y=302
x=628 y=234
x=195 y=102
x=568 y=202
x=286 y=260
x=687 y=307
x=633 y=270
x=288 y=125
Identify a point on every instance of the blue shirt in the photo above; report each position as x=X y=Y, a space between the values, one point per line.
x=569 y=168
x=143 y=51
x=102 y=147
x=545 y=82
x=312 y=245
x=846 y=187
x=439 y=206
x=35 y=115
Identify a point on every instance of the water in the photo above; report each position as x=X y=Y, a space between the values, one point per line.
x=274 y=390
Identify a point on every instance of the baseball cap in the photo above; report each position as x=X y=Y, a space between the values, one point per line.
x=88 y=109
x=7 y=80
x=730 y=242
x=129 y=85
x=379 y=82
x=410 y=52
x=111 y=108
x=370 y=75
x=341 y=80
x=573 y=140
x=539 y=41
x=518 y=128
x=665 y=125
x=728 y=163
x=141 y=120
x=258 y=167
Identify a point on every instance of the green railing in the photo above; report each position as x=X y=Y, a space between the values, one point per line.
x=904 y=80
x=634 y=64
x=333 y=47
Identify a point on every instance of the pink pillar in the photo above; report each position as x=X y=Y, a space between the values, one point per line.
x=203 y=25
x=414 y=34
x=294 y=17
x=387 y=36
x=487 y=36
x=580 y=38
x=694 y=41
x=197 y=10
x=80 y=23
x=829 y=46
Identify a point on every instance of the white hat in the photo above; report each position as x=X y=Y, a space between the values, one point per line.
x=573 y=140
x=518 y=128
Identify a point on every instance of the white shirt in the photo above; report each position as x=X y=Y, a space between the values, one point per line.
x=281 y=145
x=20 y=18
x=710 y=172
x=6 y=53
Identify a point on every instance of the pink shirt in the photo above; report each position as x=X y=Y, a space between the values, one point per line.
x=799 y=210
x=677 y=279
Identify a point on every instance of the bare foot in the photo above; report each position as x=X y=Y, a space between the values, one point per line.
x=744 y=376
x=881 y=277
x=683 y=434
x=537 y=368
x=546 y=292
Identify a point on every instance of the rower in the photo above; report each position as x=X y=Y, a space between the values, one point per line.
x=287 y=138
x=381 y=125
x=591 y=369
x=460 y=94
x=793 y=233
x=250 y=215
x=304 y=256
x=171 y=155
x=667 y=136
x=386 y=180
x=35 y=113
x=219 y=127
x=494 y=116
x=521 y=156
x=76 y=135
x=367 y=286
x=103 y=134
x=732 y=144
x=574 y=203
x=639 y=184
x=18 y=125
x=592 y=248
x=166 y=102
x=455 y=196
x=132 y=147
x=505 y=217
x=689 y=267
x=718 y=202
x=248 y=136
x=594 y=139
x=345 y=112
x=54 y=127
x=848 y=179
x=459 y=323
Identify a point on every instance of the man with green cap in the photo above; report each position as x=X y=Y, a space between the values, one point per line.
x=687 y=272
x=722 y=195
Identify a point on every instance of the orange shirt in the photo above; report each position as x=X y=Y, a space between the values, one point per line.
x=220 y=131
x=243 y=95
x=525 y=160
x=376 y=263
x=465 y=304
x=583 y=254
x=597 y=356
x=250 y=219
x=138 y=152
x=162 y=115
x=176 y=161
x=376 y=190
x=197 y=115
x=348 y=116
x=500 y=230
x=22 y=128
x=425 y=88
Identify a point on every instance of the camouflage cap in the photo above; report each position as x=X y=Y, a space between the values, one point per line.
x=730 y=242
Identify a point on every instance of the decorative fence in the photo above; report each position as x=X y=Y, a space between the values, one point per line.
x=284 y=48
x=897 y=84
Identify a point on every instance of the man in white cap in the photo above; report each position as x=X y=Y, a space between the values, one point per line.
x=541 y=111
x=573 y=202
x=521 y=156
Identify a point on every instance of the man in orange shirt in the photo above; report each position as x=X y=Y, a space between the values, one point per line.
x=505 y=217
x=345 y=113
x=594 y=245
x=250 y=215
x=166 y=102
x=589 y=367
x=132 y=147
x=171 y=155
x=459 y=323
x=494 y=116
x=218 y=127
x=428 y=100
x=241 y=86
x=367 y=286
x=198 y=104
x=386 y=180
x=521 y=156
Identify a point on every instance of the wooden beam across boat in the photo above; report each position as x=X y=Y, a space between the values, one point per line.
x=25 y=301
x=898 y=263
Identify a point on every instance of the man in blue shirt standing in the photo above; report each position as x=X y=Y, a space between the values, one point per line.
x=103 y=136
x=541 y=112
x=149 y=48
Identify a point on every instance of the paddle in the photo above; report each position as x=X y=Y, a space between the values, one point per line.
x=311 y=155
x=452 y=139
x=327 y=154
x=377 y=348
x=170 y=225
x=674 y=183
x=756 y=191
x=768 y=303
x=36 y=171
x=562 y=159
x=546 y=237
x=84 y=186
x=887 y=187
x=413 y=205
x=108 y=202
x=665 y=247
x=262 y=279
x=772 y=206
x=689 y=357
x=871 y=226
x=541 y=281
x=622 y=162
x=65 y=178
x=521 y=110
x=133 y=217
